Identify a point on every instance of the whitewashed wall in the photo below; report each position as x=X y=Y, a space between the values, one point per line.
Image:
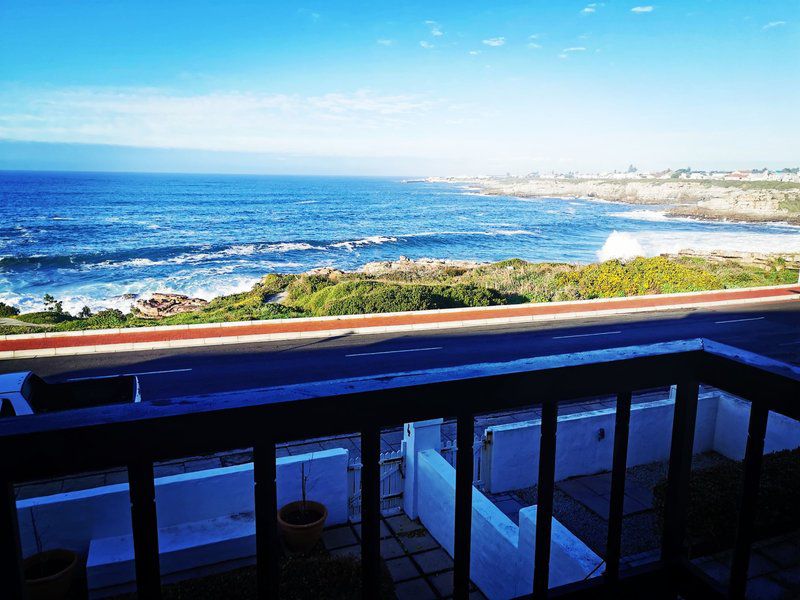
x=501 y=557
x=730 y=435
x=71 y=520
x=581 y=448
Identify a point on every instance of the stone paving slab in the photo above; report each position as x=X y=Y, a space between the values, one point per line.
x=774 y=572
x=417 y=573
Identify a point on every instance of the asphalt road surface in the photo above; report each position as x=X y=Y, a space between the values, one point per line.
x=769 y=329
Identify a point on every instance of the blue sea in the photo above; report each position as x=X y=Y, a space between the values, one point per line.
x=100 y=239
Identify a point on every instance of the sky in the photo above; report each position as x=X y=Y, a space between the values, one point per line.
x=398 y=88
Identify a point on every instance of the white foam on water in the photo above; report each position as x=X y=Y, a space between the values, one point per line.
x=353 y=244
x=620 y=246
x=653 y=216
x=292 y=247
x=625 y=246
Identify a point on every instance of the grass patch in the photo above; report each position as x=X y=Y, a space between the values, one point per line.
x=714 y=494
x=505 y=282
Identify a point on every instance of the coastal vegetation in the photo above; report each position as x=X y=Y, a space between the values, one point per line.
x=332 y=292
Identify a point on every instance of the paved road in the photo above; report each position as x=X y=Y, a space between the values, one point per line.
x=770 y=329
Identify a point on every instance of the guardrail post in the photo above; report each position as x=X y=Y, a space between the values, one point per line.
x=463 y=517
x=544 y=501
x=266 y=503
x=680 y=469
x=617 y=502
x=145 y=529
x=753 y=457
x=11 y=574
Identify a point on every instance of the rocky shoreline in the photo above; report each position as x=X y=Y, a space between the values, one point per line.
x=709 y=200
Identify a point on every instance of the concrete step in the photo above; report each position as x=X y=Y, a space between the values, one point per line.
x=181 y=547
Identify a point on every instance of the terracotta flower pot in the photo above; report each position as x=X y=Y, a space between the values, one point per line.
x=302 y=525
x=49 y=574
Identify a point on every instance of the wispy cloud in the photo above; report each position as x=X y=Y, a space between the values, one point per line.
x=534 y=45
x=436 y=29
x=773 y=24
x=574 y=49
x=642 y=9
x=425 y=44
x=474 y=52
x=495 y=41
x=591 y=8
x=385 y=42
x=230 y=121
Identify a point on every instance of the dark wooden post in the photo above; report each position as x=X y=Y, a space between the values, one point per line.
x=370 y=512
x=544 y=511
x=266 y=503
x=680 y=469
x=617 y=502
x=463 y=517
x=145 y=529
x=12 y=581
x=753 y=456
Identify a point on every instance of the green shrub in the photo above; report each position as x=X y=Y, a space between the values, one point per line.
x=305 y=286
x=46 y=317
x=6 y=310
x=640 y=276
x=363 y=297
x=714 y=495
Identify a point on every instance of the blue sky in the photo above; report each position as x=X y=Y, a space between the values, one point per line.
x=398 y=87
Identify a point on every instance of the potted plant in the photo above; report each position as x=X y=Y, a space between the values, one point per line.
x=301 y=521
x=48 y=573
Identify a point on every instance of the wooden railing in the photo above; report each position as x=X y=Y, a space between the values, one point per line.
x=58 y=444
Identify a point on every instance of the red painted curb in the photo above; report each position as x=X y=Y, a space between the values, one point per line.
x=143 y=335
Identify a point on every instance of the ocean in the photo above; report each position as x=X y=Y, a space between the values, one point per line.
x=99 y=239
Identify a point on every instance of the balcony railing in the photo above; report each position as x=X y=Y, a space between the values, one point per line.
x=58 y=444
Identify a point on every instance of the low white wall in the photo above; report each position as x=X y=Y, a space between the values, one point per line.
x=500 y=565
x=730 y=435
x=581 y=449
x=71 y=520
x=570 y=559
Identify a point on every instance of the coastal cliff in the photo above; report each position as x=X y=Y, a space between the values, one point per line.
x=762 y=201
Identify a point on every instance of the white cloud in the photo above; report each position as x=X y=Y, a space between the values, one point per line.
x=436 y=29
x=591 y=8
x=574 y=49
x=772 y=24
x=494 y=42
x=426 y=45
x=562 y=56
x=225 y=121
x=642 y=9
x=534 y=45
x=474 y=52
x=385 y=42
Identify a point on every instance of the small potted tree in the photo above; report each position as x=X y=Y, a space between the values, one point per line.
x=301 y=521
x=48 y=573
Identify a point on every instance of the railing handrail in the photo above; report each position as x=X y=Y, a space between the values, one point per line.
x=137 y=435
x=57 y=444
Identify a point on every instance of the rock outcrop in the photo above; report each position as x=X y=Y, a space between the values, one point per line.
x=410 y=265
x=695 y=199
x=164 y=305
x=759 y=259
